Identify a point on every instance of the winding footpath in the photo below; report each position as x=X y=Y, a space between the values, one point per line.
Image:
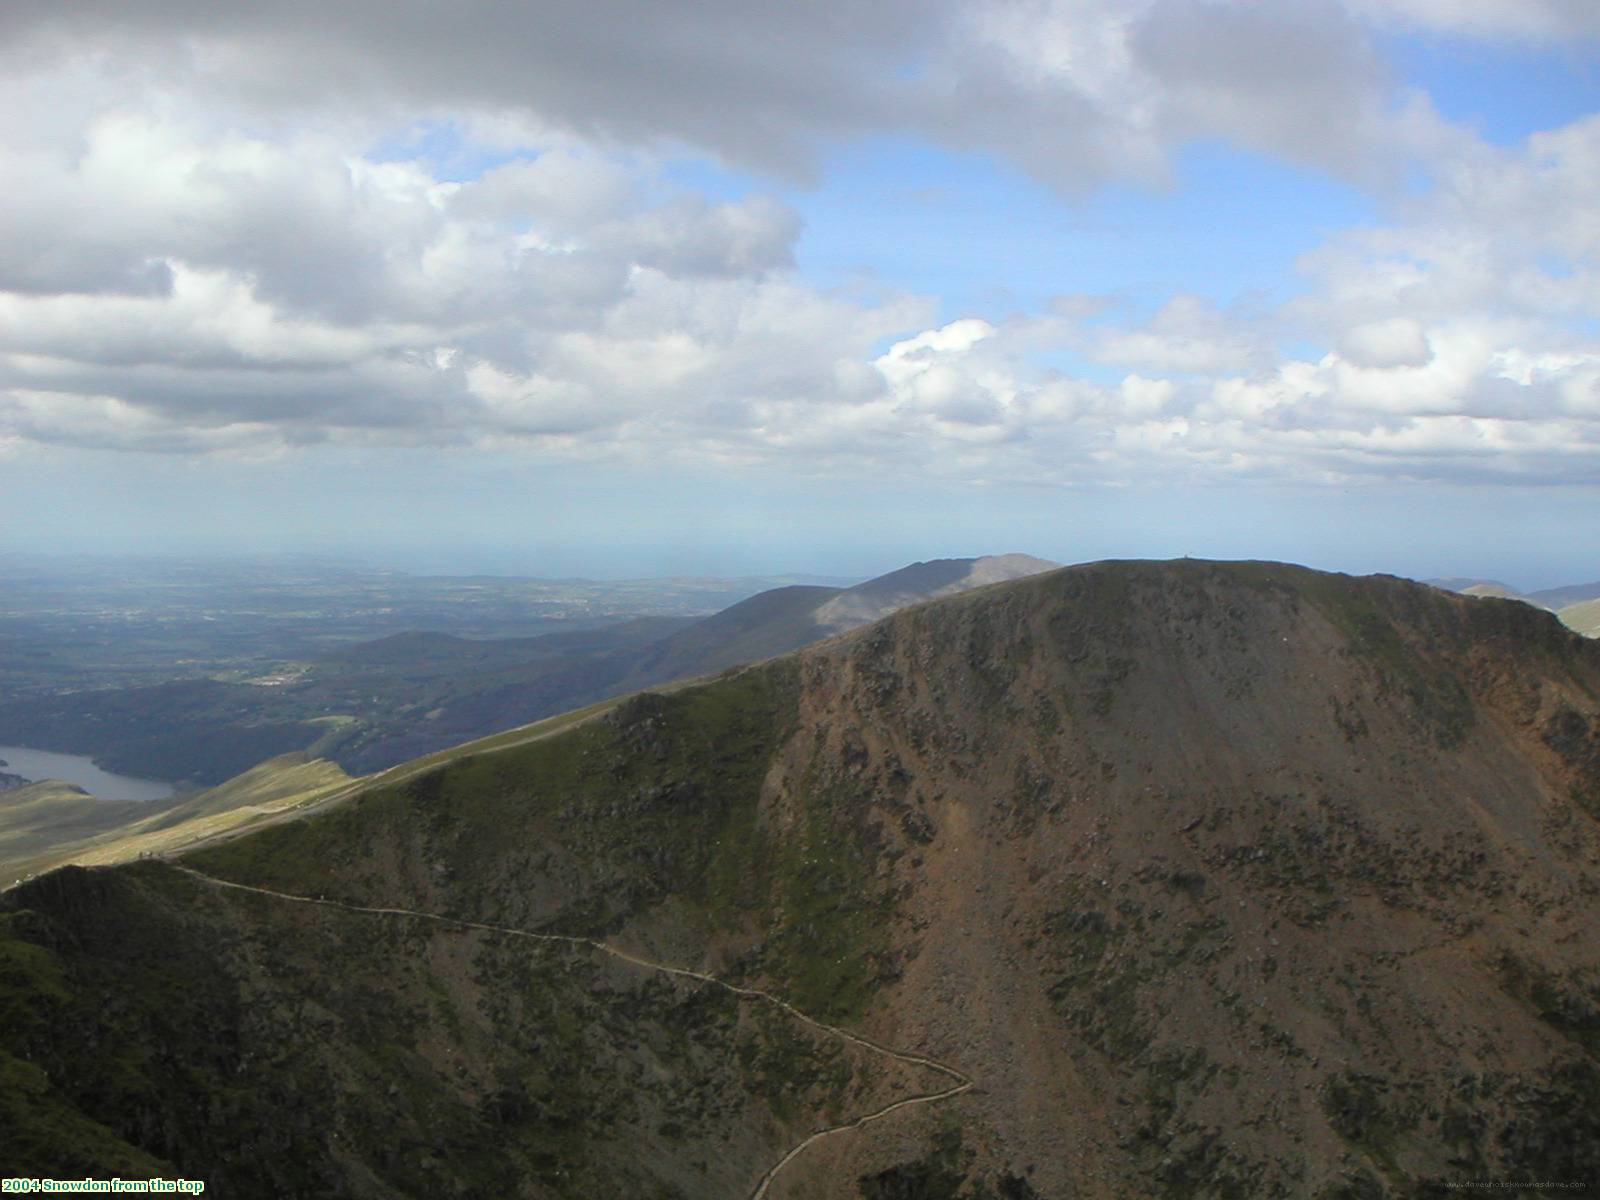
x=959 y=1082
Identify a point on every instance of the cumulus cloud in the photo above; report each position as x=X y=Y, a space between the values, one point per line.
x=1186 y=334
x=1074 y=92
x=1396 y=342
x=230 y=242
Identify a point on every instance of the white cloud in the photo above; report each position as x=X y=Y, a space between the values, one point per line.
x=204 y=260
x=1075 y=92
x=1185 y=334
x=1395 y=342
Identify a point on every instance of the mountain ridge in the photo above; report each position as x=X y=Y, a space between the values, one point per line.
x=1152 y=852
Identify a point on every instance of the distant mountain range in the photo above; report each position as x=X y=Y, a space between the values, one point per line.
x=784 y=619
x=1177 y=879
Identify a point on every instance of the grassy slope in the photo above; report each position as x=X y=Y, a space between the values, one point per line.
x=39 y=818
x=529 y=1065
x=655 y=810
x=62 y=825
x=1583 y=617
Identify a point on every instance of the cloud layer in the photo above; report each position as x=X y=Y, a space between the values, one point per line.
x=228 y=240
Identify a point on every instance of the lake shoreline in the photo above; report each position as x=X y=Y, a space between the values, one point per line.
x=33 y=765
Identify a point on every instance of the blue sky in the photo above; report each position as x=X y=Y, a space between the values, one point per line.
x=747 y=288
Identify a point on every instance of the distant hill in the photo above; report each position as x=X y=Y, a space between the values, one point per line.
x=1462 y=583
x=1127 y=880
x=35 y=818
x=877 y=598
x=771 y=623
x=1483 y=588
x=1573 y=593
x=1584 y=617
x=617 y=659
x=784 y=619
x=1498 y=591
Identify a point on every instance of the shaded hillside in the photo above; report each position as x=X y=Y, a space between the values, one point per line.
x=1216 y=879
x=763 y=626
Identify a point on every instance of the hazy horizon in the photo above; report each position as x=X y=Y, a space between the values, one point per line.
x=835 y=563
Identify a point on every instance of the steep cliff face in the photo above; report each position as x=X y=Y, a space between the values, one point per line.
x=1214 y=879
x=1240 y=879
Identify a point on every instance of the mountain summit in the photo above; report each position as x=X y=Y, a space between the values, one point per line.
x=1130 y=879
x=877 y=598
x=784 y=619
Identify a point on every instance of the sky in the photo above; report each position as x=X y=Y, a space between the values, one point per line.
x=627 y=288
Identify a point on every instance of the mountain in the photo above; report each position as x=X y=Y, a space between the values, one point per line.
x=764 y=626
x=1563 y=597
x=1131 y=879
x=784 y=619
x=1577 y=605
x=877 y=598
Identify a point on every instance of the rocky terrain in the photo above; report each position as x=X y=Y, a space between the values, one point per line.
x=1214 y=880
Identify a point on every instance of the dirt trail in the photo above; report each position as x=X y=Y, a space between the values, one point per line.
x=960 y=1082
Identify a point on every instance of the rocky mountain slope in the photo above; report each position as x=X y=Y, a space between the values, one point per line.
x=1213 y=879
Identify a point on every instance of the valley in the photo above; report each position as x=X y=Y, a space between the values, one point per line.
x=369 y=705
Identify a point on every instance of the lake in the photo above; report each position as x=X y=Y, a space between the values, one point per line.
x=75 y=768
